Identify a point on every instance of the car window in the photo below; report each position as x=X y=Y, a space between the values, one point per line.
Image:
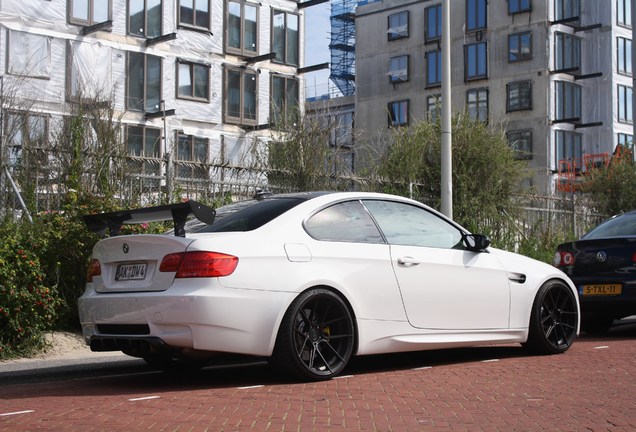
x=620 y=226
x=345 y=222
x=409 y=225
x=248 y=215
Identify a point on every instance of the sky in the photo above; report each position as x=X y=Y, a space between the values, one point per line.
x=317 y=35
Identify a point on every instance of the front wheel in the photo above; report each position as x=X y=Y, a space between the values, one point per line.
x=316 y=338
x=554 y=319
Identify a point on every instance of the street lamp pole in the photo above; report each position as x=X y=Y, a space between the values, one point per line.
x=447 y=155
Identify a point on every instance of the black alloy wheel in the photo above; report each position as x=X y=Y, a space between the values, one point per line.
x=554 y=319
x=317 y=336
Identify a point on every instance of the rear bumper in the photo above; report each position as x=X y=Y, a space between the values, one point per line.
x=193 y=314
x=611 y=306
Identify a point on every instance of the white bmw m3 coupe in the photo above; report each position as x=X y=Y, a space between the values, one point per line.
x=309 y=280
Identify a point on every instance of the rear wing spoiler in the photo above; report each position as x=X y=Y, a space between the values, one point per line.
x=101 y=222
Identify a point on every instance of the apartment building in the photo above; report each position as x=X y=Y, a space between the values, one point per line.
x=555 y=74
x=195 y=82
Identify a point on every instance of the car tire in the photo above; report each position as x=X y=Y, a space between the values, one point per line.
x=316 y=338
x=553 y=320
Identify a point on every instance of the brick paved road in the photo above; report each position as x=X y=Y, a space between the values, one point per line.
x=591 y=387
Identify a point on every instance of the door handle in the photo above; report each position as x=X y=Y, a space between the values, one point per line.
x=407 y=261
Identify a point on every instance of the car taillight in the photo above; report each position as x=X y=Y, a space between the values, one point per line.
x=199 y=264
x=94 y=269
x=563 y=259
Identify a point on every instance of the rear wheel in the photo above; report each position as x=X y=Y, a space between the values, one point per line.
x=554 y=318
x=316 y=338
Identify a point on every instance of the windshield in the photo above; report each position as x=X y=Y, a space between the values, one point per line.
x=619 y=226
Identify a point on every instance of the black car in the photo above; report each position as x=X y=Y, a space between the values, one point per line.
x=602 y=265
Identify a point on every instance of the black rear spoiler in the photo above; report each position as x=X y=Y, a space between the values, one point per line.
x=179 y=213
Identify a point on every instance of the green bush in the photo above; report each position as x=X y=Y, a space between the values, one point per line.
x=28 y=307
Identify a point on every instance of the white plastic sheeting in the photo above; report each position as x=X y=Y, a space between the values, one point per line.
x=41 y=41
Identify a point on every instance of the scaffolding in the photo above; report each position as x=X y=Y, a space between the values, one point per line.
x=343 y=45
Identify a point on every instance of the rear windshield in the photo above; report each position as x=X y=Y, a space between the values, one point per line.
x=247 y=215
x=620 y=226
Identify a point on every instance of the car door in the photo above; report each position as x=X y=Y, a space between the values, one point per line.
x=443 y=285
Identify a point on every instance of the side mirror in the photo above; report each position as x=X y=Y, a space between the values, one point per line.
x=476 y=242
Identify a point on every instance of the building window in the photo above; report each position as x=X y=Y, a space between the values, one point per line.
x=399 y=69
x=284 y=106
x=434 y=23
x=520 y=141
x=519 y=96
x=624 y=47
x=194 y=13
x=519 y=6
x=144 y=18
x=476 y=61
x=476 y=13
x=192 y=157
x=398 y=113
x=434 y=107
x=26 y=136
x=626 y=141
x=567 y=52
x=29 y=55
x=477 y=104
x=519 y=47
x=285 y=37
x=240 y=97
x=143 y=82
x=567 y=9
x=433 y=68
x=144 y=144
x=625 y=114
x=89 y=71
x=89 y=12
x=193 y=81
x=569 y=146
x=624 y=13
x=568 y=101
x=398 y=25
x=241 y=28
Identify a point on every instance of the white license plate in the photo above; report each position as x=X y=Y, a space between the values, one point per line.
x=127 y=272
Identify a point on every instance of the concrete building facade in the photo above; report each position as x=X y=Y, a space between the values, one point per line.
x=556 y=75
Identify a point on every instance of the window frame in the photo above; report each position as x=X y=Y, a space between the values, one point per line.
x=146 y=57
x=570 y=139
x=519 y=9
x=403 y=112
x=561 y=8
x=194 y=25
x=437 y=55
x=520 y=86
x=90 y=10
x=241 y=119
x=625 y=140
x=396 y=79
x=193 y=82
x=286 y=57
x=570 y=107
x=467 y=61
x=526 y=152
x=242 y=50
x=567 y=52
x=401 y=35
x=437 y=10
x=478 y=108
x=624 y=61
x=289 y=116
x=625 y=109
x=13 y=147
x=145 y=161
x=42 y=69
x=434 y=109
x=624 y=13
x=481 y=22
x=196 y=169
x=145 y=11
x=521 y=56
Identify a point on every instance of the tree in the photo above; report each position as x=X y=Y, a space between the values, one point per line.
x=612 y=188
x=486 y=176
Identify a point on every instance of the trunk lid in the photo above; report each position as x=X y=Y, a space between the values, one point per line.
x=598 y=257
